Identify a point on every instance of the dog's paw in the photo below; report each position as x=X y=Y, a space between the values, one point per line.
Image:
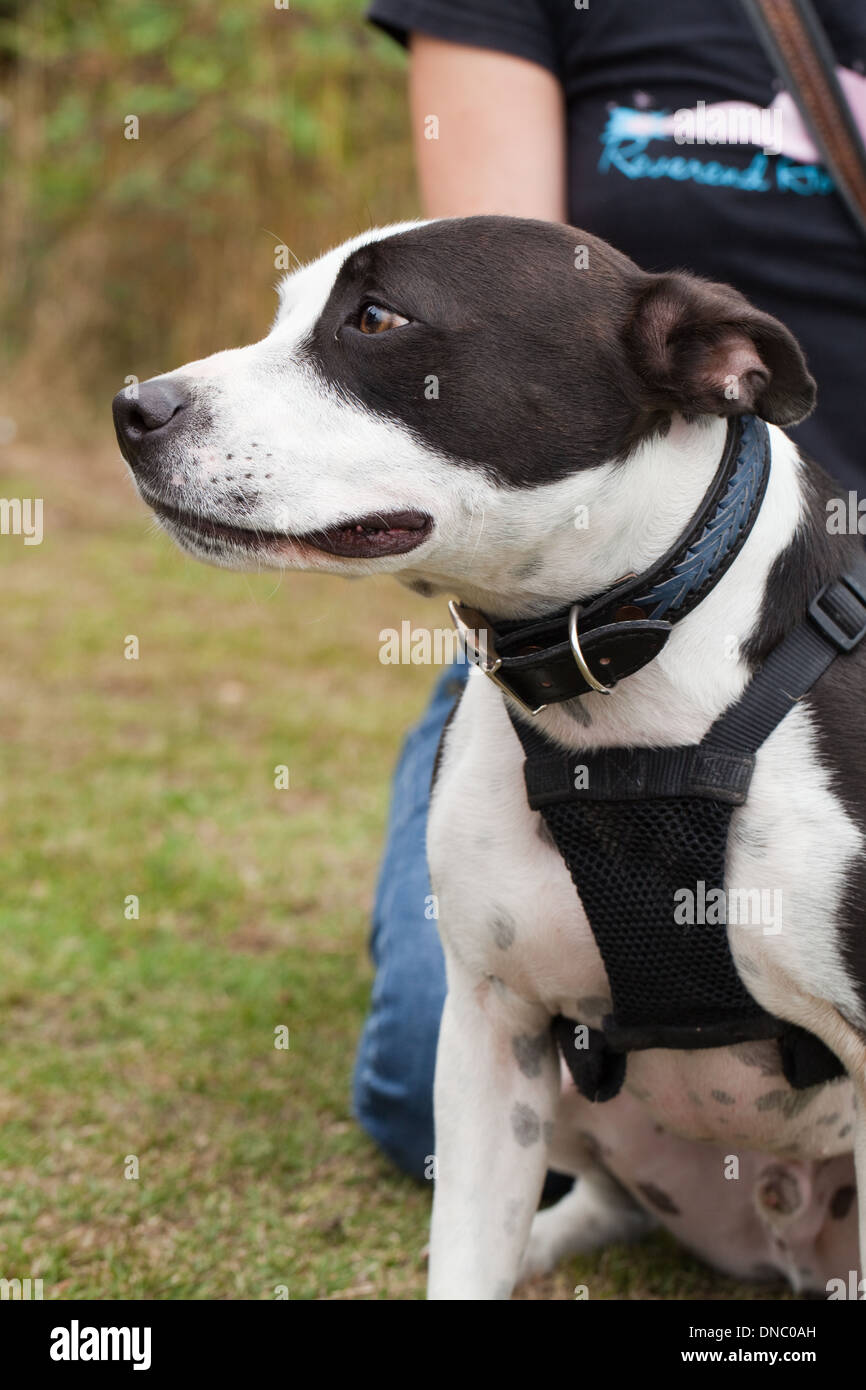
x=594 y=1213
x=543 y=1251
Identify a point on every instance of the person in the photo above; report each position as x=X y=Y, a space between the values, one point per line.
x=608 y=116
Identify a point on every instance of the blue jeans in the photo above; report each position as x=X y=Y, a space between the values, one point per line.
x=393 y=1083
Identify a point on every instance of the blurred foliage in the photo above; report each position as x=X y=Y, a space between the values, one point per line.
x=257 y=125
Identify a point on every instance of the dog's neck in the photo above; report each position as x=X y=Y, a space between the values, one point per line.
x=523 y=553
x=704 y=666
x=628 y=516
x=618 y=520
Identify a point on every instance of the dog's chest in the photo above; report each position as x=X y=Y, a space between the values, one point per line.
x=510 y=910
x=506 y=903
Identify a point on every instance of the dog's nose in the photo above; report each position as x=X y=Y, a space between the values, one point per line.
x=151 y=408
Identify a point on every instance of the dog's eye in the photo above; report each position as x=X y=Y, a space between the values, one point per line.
x=374 y=319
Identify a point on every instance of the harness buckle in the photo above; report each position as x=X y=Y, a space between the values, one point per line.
x=841 y=592
x=471 y=624
x=579 y=658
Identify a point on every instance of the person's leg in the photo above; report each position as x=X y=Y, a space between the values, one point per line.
x=393 y=1082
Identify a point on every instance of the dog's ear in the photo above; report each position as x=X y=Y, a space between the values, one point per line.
x=702 y=349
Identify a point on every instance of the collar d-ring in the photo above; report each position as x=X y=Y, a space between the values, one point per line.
x=582 y=667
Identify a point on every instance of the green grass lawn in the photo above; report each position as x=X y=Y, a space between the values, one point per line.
x=155 y=1037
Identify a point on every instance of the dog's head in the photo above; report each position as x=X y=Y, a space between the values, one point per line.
x=419 y=381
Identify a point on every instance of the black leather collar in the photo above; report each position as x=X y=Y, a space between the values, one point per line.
x=544 y=661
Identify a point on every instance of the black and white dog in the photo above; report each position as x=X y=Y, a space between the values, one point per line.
x=441 y=401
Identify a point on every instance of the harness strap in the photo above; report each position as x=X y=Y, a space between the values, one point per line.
x=836 y=624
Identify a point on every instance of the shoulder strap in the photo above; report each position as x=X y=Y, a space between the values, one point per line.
x=836 y=623
x=799 y=50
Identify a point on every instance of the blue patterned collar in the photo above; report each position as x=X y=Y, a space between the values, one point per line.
x=715 y=535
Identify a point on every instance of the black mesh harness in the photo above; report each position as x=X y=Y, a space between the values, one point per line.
x=644 y=831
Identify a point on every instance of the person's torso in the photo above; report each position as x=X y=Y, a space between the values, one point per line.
x=666 y=167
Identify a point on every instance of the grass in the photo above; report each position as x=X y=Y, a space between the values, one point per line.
x=153 y=1038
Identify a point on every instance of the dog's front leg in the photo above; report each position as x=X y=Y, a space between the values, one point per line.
x=497 y=1085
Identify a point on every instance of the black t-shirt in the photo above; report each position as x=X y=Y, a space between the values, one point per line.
x=770 y=224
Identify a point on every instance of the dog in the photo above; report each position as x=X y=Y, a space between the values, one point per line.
x=442 y=401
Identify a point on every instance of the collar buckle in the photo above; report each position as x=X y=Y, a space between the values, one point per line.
x=478 y=642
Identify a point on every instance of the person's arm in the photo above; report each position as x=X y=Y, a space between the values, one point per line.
x=501 y=132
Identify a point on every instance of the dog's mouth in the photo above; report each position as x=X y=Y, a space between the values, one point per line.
x=362 y=538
